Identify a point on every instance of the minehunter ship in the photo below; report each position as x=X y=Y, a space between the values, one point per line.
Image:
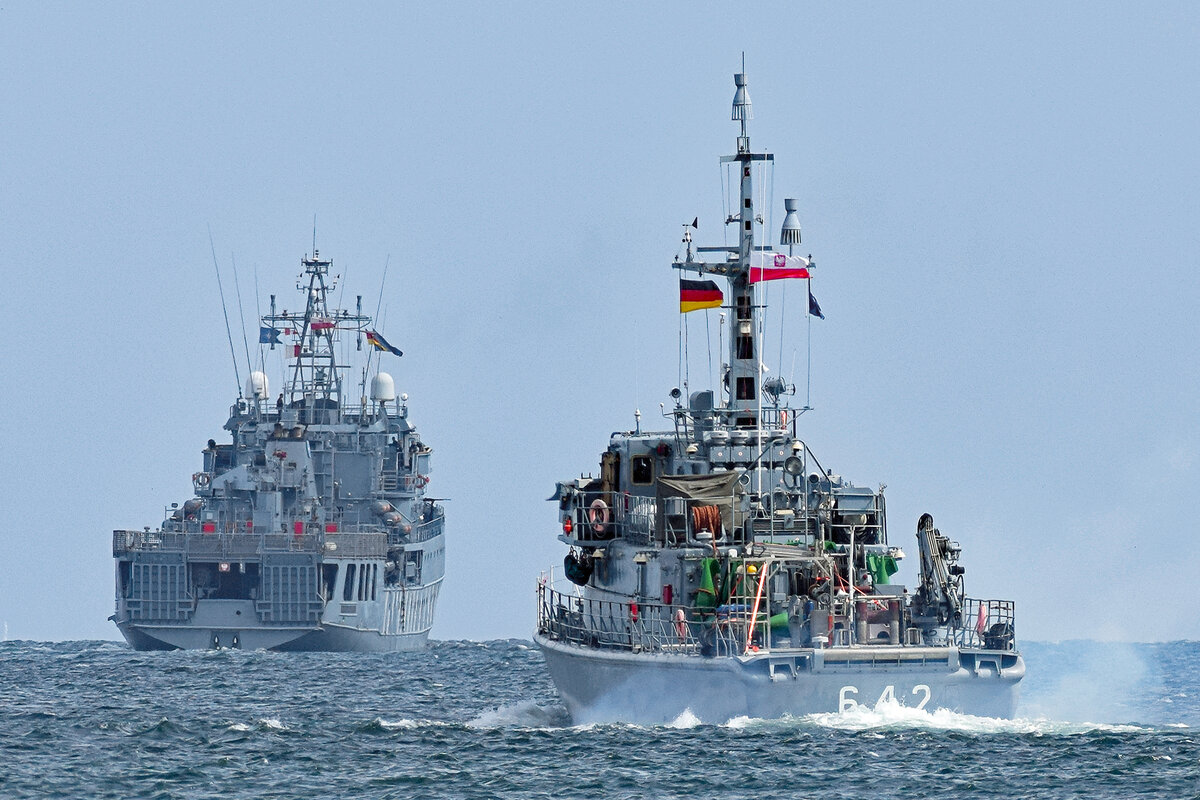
x=311 y=529
x=720 y=568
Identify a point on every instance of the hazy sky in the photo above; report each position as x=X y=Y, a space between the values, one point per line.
x=1002 y=200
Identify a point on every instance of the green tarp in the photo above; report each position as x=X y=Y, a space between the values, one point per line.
x=881 y=567
x=720 y=489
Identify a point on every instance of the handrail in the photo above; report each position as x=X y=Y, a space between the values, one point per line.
x=353 y=543
x=986 y=624
x=634 y=518
x=733 y=629
x=646 y=627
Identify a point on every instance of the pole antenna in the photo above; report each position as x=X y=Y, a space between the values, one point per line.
x=237 y=378
x=262 y=358
x=378 y=303
x=241 y=316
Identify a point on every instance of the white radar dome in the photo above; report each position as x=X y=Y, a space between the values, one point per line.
x=383 y=388
x=257 y=386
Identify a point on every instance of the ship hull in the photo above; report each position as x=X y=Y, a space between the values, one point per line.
x=397 y=620
x=599 y=685
x=198 y=637
x=327 y=638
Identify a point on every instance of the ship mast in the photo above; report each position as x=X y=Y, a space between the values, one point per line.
x=743 y=335
x=743 y=373
x=315 y=373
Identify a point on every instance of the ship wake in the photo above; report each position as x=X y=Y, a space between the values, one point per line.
x=891 y=716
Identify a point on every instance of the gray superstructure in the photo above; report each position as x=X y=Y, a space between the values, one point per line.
x=720 y=568
x=311 y=529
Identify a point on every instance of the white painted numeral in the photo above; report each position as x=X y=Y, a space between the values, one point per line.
x=847 y=700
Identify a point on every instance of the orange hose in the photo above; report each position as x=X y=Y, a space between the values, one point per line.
x=706 y=518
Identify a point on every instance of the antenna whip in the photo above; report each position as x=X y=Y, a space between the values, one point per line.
x=237 y=284
x=237 y=378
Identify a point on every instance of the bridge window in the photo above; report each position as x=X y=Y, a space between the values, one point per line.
x=642 y=469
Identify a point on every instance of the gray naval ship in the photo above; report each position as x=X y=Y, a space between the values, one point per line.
x=720 y=568
x=311 y=529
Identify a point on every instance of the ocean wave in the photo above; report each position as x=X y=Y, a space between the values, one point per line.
x=266 y=724
x=685 y=721
x=891 y=715
x=381 y=725
x=522 y=715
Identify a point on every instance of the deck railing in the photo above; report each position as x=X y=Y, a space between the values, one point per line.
x=986 y=624
x=237 y=546
x=234 y=546
x=725 y=630
x=647 y=627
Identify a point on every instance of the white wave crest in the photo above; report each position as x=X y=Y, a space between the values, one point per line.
x=892 y=715
x=519 y=715
x=685 y=720
x=398 y=725
x=259 y=725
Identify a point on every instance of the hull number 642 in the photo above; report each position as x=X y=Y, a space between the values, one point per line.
x=848 y=697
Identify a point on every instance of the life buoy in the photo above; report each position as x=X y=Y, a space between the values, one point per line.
x=200 y=479
x=421 y=481
x=681 y=626
x=598 y=515
x=783 y=417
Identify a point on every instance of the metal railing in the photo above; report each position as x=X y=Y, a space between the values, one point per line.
x=356 y=545
x=235 y=546
x=986 y=624
x=426 y=530
x=733 y=628
x=646 y=627
x=635 y=518
x=223 y=546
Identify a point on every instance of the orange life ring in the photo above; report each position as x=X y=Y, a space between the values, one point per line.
x=783 y=417
x=421 y=481
x=598 y=515
x=681 y=626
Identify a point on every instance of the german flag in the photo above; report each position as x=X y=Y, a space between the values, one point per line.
x=695 y=295
x=376 y=340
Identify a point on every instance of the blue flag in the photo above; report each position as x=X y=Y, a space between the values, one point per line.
x=814 y=307
x=268 y=336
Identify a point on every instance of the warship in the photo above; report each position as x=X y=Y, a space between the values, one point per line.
x=719 y=568
x=311 y=529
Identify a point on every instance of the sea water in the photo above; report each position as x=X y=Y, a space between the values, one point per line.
x=481 y=720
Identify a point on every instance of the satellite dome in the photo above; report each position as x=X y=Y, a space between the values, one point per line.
x=257 y=386
x=383 y=388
